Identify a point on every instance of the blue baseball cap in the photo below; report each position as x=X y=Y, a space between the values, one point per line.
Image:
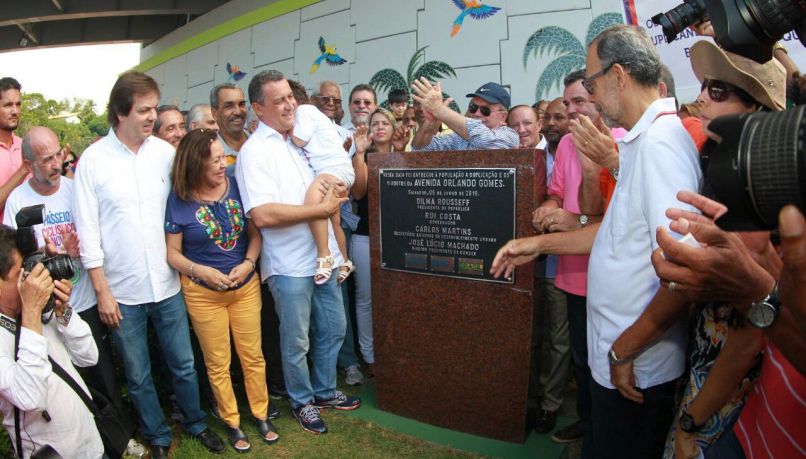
x=493 y=93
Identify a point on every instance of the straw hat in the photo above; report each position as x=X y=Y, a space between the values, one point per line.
x=766 y=82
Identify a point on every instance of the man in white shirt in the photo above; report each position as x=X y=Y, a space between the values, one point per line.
x=273 y=176
x=42 y=152
x=633 y=389
x=121 y=188
x=50 y=412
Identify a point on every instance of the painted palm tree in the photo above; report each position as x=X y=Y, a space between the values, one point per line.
x=569 y=52
x=389 y=79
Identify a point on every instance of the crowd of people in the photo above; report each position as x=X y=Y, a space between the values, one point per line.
x=250 y=217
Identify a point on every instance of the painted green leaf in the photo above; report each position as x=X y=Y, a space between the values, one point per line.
x=555 y=72
x=434 y=71
x=453 y=105
x=552 y=39
x=388 y=79
x=414 y=62
x=600 y=23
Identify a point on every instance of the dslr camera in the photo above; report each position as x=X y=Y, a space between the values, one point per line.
x=60 y=266
x=746 y=27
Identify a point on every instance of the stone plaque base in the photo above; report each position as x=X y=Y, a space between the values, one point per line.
x=455 y=352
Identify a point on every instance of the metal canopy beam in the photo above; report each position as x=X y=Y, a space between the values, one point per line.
x=44 y=23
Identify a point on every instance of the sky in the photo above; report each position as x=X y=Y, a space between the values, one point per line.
x=86 y=72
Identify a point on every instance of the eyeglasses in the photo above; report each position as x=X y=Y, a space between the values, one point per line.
x=485 y=110
x=587 y=83
x=329 y=100
x=68 y=165
x=361 y=102
x=718 y=91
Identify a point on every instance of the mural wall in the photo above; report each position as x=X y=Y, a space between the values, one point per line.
x=527 y=45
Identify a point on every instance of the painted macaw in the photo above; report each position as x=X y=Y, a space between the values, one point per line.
x=329 y=55
x=475 y=9
x=234 y=73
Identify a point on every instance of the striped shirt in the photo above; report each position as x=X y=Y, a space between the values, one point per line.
x=772 y=423
x=479 y=137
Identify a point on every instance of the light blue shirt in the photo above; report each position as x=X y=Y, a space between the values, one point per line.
x=479 y=137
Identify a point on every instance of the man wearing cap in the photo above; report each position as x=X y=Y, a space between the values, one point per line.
x=482 y=128
x=633 y=386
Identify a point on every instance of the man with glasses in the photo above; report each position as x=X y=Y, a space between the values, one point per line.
x=632 y=387
x=43 y=155
x=482 y=128
x=363 y=101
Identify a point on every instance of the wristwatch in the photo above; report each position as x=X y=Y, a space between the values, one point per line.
x=763 y=313
x=583 y=220
x=687 y=423
x=615 y=360
x=614 y=173
x=64 y=319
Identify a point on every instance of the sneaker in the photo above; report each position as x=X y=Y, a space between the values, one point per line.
x=135 y=450
x=339 y=401
x=570 y=433
x=545 y=421
x=274 y=412
x=353 y=375
x=308 y=417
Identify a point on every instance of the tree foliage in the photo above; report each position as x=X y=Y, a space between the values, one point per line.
x=77 y=131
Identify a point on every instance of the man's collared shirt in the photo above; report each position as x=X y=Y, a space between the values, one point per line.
x=119 y=201
x=479 y=137
x=657 y=159
x=230 y=154
x=30 y=384
x=10 y=160
x=272 y=170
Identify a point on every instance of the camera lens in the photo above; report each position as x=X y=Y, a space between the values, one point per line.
x=678 y=18
x=60 y=267
x=759 y=167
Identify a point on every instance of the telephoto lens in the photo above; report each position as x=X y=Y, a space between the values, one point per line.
x=759 y=167
x=678 y=18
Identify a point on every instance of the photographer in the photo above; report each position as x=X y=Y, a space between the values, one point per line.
x=50 y=412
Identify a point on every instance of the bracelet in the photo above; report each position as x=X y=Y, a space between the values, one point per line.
x=64 y=319
x=190 y=274
x=250 y=261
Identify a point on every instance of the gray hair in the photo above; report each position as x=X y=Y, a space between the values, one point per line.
x=195 y=114
x=256 y=84
x=318 y=91
x=216 y=90
x=162 y=109
x=34 y=135
x=630 y=47
x=668 y=79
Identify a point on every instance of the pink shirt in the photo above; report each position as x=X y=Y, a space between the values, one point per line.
x=10 y=161
x=572 y=270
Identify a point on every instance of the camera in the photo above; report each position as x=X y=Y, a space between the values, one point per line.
x=758 y=167
x=60 y=266
x=746 y=27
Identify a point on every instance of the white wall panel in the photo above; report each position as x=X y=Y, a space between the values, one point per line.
x=336 y=31
x=273 y=40
x=381 y=18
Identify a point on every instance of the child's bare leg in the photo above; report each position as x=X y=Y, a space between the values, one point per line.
x=319 y=227
x=338 y=232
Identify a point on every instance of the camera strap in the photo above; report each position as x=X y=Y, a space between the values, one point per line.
x=12 y=328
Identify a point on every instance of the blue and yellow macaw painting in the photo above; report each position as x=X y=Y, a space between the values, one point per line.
x=235 y=73
x=329 y=55
x=475 y=9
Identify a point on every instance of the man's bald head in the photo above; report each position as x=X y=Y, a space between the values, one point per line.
x=36 y=139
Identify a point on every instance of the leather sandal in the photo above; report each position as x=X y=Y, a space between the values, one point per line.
x=324 y=268
x=234 y=435
x=264 y=427
x=344 y=274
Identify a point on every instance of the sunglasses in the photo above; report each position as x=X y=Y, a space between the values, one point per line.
x=68 y=165
x=587 y=82
x=361 y=102
x=718 y=91
x=329 y=100
x=485 y=110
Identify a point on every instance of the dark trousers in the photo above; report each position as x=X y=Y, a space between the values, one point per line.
x=578 y=336
x=101 y=376
x=623 y=429
x=270 y=334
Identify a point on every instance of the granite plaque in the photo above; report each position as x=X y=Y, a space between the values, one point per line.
x=438 y=221
x=451 y=350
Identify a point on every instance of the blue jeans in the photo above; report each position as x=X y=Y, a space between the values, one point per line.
x=170 y=320
x=305 y=308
